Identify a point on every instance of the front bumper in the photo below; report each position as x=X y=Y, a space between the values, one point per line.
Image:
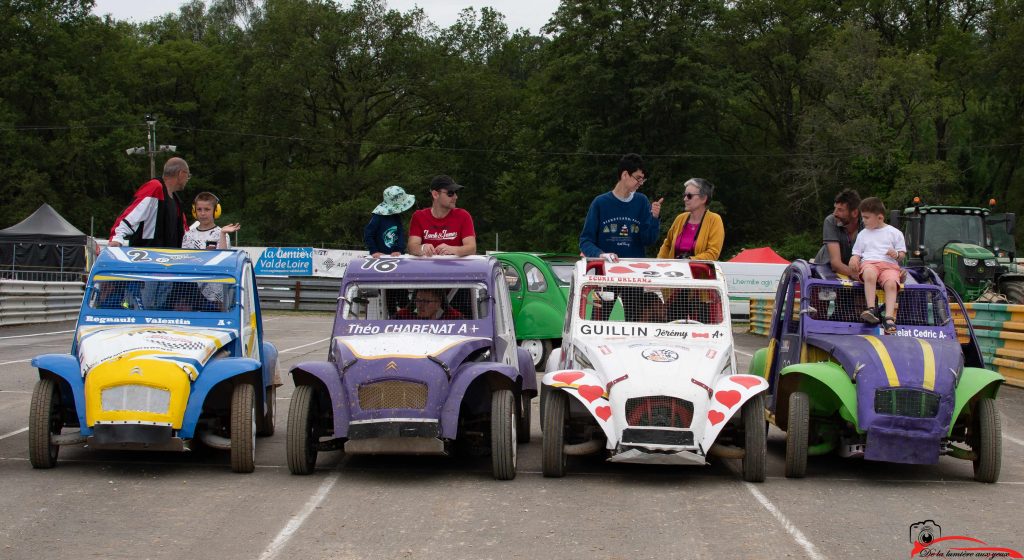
x=150 y=437
x=395 y=437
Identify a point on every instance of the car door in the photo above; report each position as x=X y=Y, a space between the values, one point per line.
x=248 y=319
x=504 y=331
x=516 y=286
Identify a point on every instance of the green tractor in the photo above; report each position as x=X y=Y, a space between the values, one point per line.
x=972 y=249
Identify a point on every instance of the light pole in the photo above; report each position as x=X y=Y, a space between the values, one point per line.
x=151 y=148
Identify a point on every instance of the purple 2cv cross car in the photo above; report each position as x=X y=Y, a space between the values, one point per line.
x=423 y=355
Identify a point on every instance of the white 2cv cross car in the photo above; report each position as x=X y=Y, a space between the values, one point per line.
x=647 y=371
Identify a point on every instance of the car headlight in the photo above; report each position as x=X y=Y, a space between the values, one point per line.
x=970 y=262
x=136 y=397
x=990 y=262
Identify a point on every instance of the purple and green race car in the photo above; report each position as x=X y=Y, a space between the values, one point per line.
x=839 y=385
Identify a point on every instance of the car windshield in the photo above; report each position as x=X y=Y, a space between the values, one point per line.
x=940 y=229
x=915 y=306
x=416 y=302
x=681 y=305
x=207 y=295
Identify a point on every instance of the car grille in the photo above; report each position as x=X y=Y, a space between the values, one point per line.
x=911 y=403
x=392 y=394
x=138 y=398
x=660 y=412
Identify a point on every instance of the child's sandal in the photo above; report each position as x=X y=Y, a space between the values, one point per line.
x=889 y=324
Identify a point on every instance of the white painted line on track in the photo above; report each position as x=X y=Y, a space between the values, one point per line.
x=15 y=362
x=14 y=433
x=305 y=345
x=36 y=334
x=747 y=354
x=298 y=519
x=799 y=537
x=1013 y=439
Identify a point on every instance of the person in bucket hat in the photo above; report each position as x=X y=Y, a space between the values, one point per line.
x=384 y=235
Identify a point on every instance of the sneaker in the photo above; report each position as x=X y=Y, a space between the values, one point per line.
x=870 y=316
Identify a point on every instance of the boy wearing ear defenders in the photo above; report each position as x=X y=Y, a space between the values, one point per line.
x=205 y=234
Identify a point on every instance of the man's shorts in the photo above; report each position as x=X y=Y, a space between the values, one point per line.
x=886 y=272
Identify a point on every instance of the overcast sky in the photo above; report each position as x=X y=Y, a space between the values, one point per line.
x=531 y=14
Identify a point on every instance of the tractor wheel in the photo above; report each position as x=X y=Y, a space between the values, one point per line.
x=797 y=434
x=44 y=422
x=1014 y=292
x=986 y=441
x=243 y=428
x=303 y=433
x=555 y=411
x=755 y=440
x=503 y=434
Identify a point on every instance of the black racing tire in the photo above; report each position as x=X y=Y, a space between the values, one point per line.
x=243 y=428
x=544 y=390
x=555 y=411
x=525 y=418
x=504 y=420
x=797 y=434
x=303 y=433
x=987 y=441
x=44 y=422
x=267 y=421
x=755 y=440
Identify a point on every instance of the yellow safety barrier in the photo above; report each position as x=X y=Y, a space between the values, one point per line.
x=761 y=311
x=999 y=328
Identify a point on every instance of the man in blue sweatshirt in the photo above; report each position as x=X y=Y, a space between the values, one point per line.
x=620 y=223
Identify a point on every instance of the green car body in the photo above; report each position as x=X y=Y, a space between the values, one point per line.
x=538 y=284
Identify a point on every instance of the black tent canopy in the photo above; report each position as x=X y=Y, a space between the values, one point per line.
x=43 y=241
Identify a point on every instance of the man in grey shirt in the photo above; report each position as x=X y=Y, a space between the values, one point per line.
x=839 y=232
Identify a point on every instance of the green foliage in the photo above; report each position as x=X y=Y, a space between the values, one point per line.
x=298 y=113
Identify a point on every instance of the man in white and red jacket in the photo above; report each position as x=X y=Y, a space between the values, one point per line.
x=156 y=216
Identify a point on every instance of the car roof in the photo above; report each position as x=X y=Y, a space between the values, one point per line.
x=170 y=261
x=660 y=271
x=411 y=269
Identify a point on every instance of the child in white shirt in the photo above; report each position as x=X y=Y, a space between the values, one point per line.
x=206 y=234
x=876 y=255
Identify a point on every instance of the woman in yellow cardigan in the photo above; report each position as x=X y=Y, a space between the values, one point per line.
x=697 y=233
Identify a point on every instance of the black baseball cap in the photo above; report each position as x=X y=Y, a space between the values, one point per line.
x=444 y=182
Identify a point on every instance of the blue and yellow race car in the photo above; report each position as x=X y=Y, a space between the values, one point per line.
x=168 y=348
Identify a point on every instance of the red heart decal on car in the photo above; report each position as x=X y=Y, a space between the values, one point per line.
x=640 y=265
x=603 y=412
x=715 y=417
x=728 y=398
x=745 y=380
x=590 y=392
x=663 y=265
x=568 y=377
x=620 y=270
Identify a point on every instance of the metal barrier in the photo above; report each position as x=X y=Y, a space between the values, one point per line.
x=999 y=328
x=23 y=302
x=298 y=293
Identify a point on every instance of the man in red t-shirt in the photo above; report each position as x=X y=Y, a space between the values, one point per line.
x=442 y=229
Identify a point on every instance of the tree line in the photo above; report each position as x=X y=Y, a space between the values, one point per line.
x=298 y=113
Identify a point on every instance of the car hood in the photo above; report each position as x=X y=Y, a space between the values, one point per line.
x=448 y=348
x=918 y=373
x=659 y=362
x=190 y=347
